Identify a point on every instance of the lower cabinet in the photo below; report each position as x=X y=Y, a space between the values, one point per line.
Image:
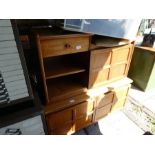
x=70 y=120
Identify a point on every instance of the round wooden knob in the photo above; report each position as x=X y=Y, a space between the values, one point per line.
x=67 y=45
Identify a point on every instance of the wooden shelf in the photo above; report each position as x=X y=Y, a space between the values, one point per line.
x=62 y=88
x=54 y=70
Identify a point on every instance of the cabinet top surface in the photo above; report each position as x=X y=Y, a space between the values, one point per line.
x=49 y=33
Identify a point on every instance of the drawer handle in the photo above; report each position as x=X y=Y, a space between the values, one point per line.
x=71 y=101
x=12 y=131
x=67 y=45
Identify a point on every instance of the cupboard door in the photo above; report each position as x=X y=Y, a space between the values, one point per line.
x=119 y=104
x=120 y=55
x=66 y=129
x=83 y=122
x=120 y=95
x=117 y=71
x=98 y=77
x=100 y=58
x=84 y=109
x=121 y=92
x=58 y=119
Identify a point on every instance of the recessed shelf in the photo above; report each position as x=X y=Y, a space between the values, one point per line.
x=54 y=70
x=61 y=88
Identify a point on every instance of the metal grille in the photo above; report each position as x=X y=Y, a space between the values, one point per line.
x=4 y=96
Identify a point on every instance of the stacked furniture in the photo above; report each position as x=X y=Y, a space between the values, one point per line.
x=20 y=108
x=81 y=84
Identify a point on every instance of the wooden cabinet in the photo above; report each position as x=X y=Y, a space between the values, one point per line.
x=108 y=65
x=69 y=71
x=62 y=73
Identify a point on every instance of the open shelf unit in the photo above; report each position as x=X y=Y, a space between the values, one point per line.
x=64 y=63
x=54 y=69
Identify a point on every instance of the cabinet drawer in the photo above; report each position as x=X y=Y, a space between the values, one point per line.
x=63 y=130
x=101 y=112
x=83 y=122
x=58 y=119
x=105 y=99
x=31 y=126
x=60 y=46
x=84 y=109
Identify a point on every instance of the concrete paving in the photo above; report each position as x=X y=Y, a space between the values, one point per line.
x=116 y=123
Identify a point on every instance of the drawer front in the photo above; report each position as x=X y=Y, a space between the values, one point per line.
x=83 y=122
x=61 y=46
x=58 y=119
x=84 y=109
x=63 y=130
x=65 y=103
x=32 y=126
x=98 y=77
x=105 y=99
x=101 y=112
x=118 y=104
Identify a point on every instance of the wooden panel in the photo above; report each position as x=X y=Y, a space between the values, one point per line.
x=66 y=129
x=121 y=93
x=101 y=112
x=59 y=119
x=83 y=122
x=84 y=109
x=65 y=103
x=98 y=77
x=104 y=99
x=120 y=54
x=118 y=104
x=100 y=58
x=61 y=46
x=115 y=61
x=118 y=71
